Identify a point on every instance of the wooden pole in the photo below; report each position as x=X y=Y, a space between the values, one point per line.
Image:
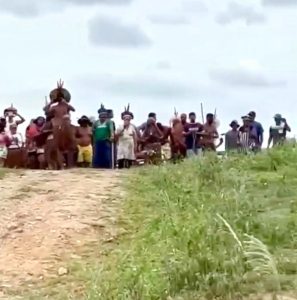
x=202 y=113
x=112 y=155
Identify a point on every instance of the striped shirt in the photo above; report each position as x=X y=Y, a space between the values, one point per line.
x=246 y=139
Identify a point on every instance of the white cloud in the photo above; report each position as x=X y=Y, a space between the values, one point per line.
x=169 y=19
x=34 y=8
x=279 y=2
x=239 y=12
x=142 y=85
x=183 y=14
x=248 y=74
x=112 y=32
x=194 y=6
x=93 y=2
x=163 y=65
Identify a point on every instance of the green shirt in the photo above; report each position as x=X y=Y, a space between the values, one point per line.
x=102 y=131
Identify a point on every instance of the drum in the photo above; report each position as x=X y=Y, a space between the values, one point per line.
x=16 y=158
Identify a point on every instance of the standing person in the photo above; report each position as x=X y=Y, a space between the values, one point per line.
x=183 y=119
x=84 y=142
x=102 y=139
x=151 y=141
x=192 y=133
x=178 y=140
x=247 y=135
x=278 y=132
x=127 y=141
x=143 y=126
x=258 y=128
x=113 y=145
x=35 y=151
x=4 y=142
x=210 y=133
x=232 y=138
x=10 y=114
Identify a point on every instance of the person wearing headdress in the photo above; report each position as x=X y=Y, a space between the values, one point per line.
x=103 y=134
x=84 y=142
x=5 y=141
x=59 y=105
x=126 y=138
x=10 y=113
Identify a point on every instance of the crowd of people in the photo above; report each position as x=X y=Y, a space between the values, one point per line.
x=51 y=141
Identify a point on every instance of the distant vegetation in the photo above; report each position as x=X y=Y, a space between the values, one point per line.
x=206 y=228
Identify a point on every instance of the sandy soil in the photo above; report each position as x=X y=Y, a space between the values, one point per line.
x=46 y=216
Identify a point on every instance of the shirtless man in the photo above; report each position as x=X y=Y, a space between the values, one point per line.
x=84 y=142
x=58 y=108
x=209 y=134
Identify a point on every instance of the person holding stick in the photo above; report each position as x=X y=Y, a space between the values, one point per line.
x=103 y=134
x=210 y=133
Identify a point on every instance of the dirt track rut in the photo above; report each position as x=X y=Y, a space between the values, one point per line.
x=45 y=216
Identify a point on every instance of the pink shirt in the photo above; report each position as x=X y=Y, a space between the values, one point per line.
x=4 y=139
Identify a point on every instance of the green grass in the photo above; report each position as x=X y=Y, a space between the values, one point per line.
x=215 y=228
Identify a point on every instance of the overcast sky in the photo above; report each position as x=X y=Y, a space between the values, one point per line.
x=235 y=56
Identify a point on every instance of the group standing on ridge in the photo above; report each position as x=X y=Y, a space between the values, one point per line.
x=53 y=142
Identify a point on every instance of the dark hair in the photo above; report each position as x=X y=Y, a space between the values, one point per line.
x=210 y=116
x=252 y=113
x=152 y=115
x=192 y=114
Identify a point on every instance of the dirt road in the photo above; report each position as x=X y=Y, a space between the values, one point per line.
x=46 y=217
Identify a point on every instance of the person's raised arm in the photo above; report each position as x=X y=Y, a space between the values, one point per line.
x=71 y=108
x=21 y=121
x=287 y=127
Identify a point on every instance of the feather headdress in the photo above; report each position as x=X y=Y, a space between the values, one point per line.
x=127 y=112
